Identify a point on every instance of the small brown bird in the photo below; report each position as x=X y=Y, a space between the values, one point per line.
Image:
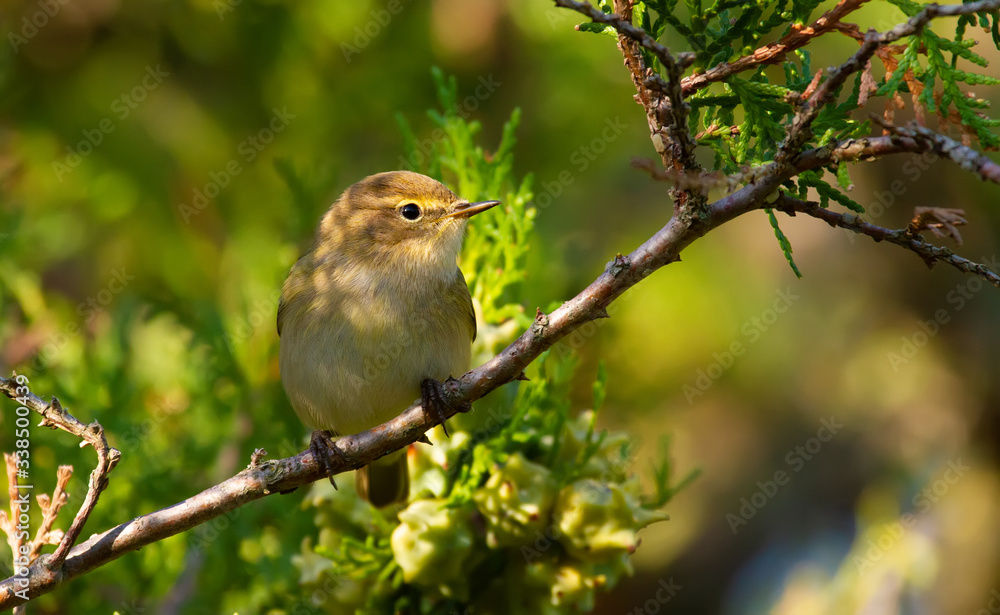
x=376 y=314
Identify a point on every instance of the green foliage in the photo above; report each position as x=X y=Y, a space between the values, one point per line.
x=527 y=507
x=812 y=179
x=983 y=20
x=530 y=510
x=949 y=100
x=493 y=255
x=783 y=243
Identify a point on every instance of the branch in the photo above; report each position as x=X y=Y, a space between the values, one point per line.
x=964 y=156
x=930 y=253
x=50 y=510
x=662 y=98
x=54 y=416
x=49 y=505
x=935 y=219
x=775 y=52
x=625 y=27
x=868 y=148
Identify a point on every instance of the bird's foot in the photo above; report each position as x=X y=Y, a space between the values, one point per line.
x=433 y=400
x=322 y=447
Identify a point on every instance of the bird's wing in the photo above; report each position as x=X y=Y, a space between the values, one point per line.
x=292 y=286
x=466 y=299
x=282 y=307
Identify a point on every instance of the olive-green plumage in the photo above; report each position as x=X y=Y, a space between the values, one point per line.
x=374 y=308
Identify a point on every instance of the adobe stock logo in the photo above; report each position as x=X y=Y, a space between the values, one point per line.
x=425 y=147
x=993 y=606
x=122 y=107
x=363 y=36
x=752 y=330
x=47 y=9
x=665 y=590
x=957 y=298
x=892 y=533
x=581 y=159
x=796 y=459
x=88 y=310
x=250 y=148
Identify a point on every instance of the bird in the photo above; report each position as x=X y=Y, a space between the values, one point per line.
x=376 y=314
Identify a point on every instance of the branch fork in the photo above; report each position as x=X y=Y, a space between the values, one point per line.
x=56 y=417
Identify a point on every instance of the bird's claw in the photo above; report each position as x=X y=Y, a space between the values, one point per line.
x=433 y=400
x=322 y=447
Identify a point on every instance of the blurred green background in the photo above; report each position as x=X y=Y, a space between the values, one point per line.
x=146 y=227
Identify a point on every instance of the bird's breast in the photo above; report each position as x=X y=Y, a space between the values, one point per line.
x=354 y=354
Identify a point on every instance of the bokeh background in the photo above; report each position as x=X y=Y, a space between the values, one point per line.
x=151 y=308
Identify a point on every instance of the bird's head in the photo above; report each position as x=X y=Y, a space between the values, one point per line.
x=399 y=218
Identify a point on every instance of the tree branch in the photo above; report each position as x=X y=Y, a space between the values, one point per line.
x=775 y=52
x=264 y=478
x=662 y=98
x=930 y=253
x=283 y=475
x=964 y=156
x=54 y=416
x=868 y=148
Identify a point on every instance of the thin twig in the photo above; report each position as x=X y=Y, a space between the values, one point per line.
x=53 y=415
x=51 y=506
x=773 y=52
x=930 y=253
x=848 y=150
x=964 y=156
x=667 y=110
x=625 y=27
x=771 y=175
x=941 y=221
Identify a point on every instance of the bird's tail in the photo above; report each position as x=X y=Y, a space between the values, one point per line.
x=384 y=481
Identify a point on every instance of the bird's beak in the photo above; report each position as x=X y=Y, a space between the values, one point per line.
x=464 y=209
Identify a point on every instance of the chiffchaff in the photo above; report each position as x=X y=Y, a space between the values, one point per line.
x=376 y=313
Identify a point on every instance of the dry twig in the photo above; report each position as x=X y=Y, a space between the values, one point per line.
x=774 y=52
x=662 y=99
x=929 y=253
x=935 y=219
x=54 y=416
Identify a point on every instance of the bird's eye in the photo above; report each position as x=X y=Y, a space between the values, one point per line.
x=410 y=211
